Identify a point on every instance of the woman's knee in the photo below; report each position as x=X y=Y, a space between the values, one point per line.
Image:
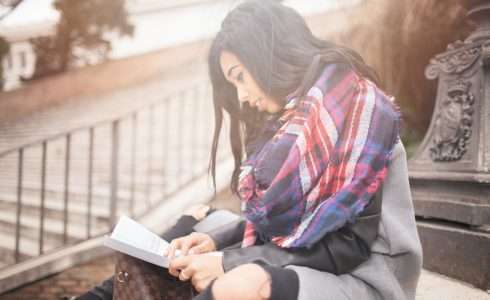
x=198 y=211
x=246 y=282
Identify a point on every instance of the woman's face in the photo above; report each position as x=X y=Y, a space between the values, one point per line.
x=247 y=88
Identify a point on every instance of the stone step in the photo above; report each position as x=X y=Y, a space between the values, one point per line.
x=171 y=140
x=53 y=235
x=7 y=256
x=101 y=191
x=29 y=211
x=156 y=170
x=78 y=205
x=57 y=204
x=101 y=171
x=27 y=247
x=53 y=228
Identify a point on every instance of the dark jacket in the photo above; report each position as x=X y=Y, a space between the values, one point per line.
x=337 y=252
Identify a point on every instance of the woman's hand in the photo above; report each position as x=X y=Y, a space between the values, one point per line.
x=194 y=243
x=198 y=212
x=200 y=269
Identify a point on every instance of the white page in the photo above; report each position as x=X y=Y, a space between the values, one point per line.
x=132 y=233
x=134 y=239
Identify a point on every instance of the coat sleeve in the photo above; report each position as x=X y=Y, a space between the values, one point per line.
x=228 y=235
x=337 y=252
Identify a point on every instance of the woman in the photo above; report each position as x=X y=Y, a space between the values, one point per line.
x=321 y=141
x=319 y=138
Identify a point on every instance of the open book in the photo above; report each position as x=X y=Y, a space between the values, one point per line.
x=132 y=238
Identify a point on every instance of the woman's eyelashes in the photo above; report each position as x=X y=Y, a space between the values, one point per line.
x=239 y=77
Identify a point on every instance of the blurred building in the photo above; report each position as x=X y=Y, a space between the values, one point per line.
x=18 y=27
x=158 y=24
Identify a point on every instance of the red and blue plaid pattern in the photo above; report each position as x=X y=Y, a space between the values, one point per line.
x=323 y=165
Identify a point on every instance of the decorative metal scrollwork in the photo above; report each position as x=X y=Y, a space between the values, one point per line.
x=454 y=62
x=452 y=128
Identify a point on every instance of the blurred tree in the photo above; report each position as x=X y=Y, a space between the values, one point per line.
x=7 y=6
x=398 y=38
x=417 y=31
x=4 y=50
x=82 y=35
x=9 y=3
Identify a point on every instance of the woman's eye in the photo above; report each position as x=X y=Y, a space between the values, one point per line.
x=239 y=78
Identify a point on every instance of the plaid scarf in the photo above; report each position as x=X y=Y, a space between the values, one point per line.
x=325 y=159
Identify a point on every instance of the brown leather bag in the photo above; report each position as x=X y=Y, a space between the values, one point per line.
x=138 y=280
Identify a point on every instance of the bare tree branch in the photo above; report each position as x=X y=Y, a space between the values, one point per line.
x=12 y=4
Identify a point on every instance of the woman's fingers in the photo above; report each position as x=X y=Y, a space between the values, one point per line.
x=205 y=244
x=200 y=284
x=182 y=244
x=194 y=243
x=172 y=248
x=202 y=247
x=176 y=265
x=180 y=267
x=173 y=272
x=183 y=276
x=187 y=242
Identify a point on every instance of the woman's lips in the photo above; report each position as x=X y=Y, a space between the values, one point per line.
x=257 y=103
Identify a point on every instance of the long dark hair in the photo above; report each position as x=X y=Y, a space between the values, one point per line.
x=283 y=56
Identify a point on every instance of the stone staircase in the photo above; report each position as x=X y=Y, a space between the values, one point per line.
x=161 y=149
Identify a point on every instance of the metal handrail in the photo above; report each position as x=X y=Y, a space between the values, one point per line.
x=116 y=203
x=74 y=130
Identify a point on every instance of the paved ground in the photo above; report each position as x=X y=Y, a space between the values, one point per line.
x=433 y=286
x=73 y=281
x=76 y=280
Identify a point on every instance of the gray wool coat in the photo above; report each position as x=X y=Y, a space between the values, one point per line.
x=393 y=270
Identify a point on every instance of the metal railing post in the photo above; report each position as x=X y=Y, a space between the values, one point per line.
x=90 y=174
x=67 y=188
x=165 y=146
x=114 y=172
x=149 y=156
x=134 y=143
x=43 y=197
x=180 y=138
x=20 y=164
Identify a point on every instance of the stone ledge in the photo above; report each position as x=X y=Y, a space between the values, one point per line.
x=458 y=252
